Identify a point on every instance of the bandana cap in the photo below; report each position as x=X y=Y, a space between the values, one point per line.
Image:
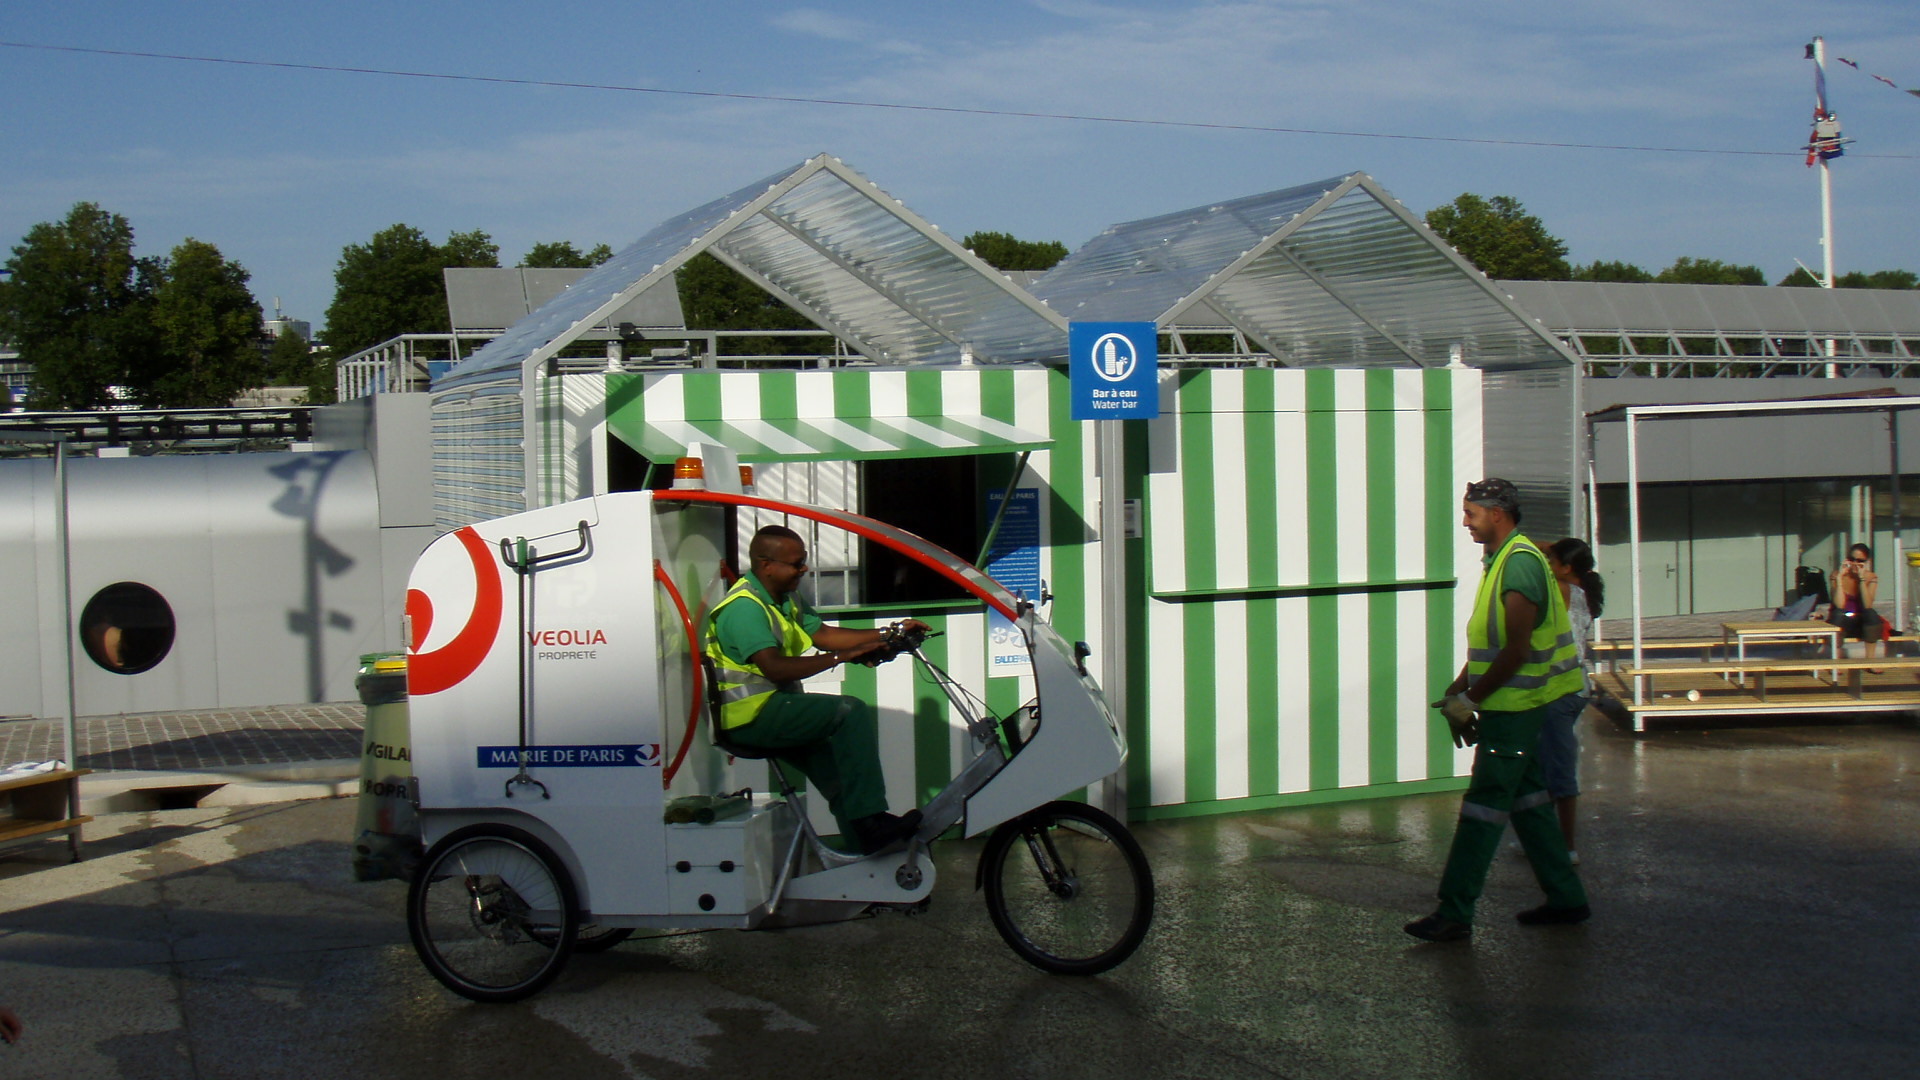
x=1495 y=493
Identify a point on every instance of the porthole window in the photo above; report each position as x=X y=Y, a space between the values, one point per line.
x=127 y=628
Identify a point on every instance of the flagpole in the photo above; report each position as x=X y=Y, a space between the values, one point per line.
x=1824 y=119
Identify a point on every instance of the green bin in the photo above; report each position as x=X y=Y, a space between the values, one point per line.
x=386 y=841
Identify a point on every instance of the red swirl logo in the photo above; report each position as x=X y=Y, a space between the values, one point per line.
x=432 y=672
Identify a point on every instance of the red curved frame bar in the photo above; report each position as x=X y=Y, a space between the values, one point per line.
x=840 y=519
x=693 y=646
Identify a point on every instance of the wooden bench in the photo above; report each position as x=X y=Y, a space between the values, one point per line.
x=1855 y=670
x=36 y=807
x=1616 y=650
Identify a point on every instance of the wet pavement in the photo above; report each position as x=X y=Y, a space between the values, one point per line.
x=1756 y=914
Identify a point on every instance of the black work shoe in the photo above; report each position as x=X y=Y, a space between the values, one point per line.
x=878 y=832
x=1438 y=927
x=1548 y=915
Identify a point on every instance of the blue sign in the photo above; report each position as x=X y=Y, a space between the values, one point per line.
x=1114 y=370
x=1014 y=562
x=617 y=755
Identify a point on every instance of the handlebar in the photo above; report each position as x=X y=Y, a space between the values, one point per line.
x=898 y=639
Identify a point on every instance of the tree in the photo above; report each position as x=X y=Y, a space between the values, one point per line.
x=75 y=303
x=475 y=249
x=290 y=360
x=713 y=296
x=1855 y=279
x=392 y=285
x=1879 y=279
x=1690 y=271
x=206 y=332
x=1005 y=252
x=1610 y=271
x=1501 y=238
x=322 y=385
x=563 y=254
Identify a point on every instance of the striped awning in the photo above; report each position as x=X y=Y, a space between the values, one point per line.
x=864 y=438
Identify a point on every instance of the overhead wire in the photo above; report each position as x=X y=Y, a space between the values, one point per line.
x=961 y=110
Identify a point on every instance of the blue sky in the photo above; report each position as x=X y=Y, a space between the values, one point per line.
x=281 y=168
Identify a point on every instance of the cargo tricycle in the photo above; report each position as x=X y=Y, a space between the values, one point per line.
x=571 y=789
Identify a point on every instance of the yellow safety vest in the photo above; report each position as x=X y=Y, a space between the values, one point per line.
x=742 y=688
x=1552 y=666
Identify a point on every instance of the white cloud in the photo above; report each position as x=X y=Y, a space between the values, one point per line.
x=813 y=22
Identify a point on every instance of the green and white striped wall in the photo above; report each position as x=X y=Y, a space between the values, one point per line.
x=1294 y=604
x=1303 y=550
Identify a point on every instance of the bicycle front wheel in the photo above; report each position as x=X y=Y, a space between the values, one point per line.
x=1068 y=888
x=492 y=913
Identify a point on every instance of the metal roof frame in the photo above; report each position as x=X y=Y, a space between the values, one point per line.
x=821 y=238
x=1727 y=330
x=1336 y=272
x=856 y=277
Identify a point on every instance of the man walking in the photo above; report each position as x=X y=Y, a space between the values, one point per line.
x=1520 y=658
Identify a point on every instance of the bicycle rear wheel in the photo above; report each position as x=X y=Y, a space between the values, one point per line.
x=492 y=913
x=1068 y=888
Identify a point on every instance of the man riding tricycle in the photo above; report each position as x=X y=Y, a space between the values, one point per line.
x=574 y=701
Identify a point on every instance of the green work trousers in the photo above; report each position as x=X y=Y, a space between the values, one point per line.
x=1508 y=782
x=833 y=739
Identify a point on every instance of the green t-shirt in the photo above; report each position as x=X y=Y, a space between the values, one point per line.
x=744 y=629
x=1525 y=575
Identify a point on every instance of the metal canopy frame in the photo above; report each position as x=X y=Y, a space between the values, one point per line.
x=831 y=243
x=1727 y=331
x=1333 y=273
x=828 y=242
x=1888 y=402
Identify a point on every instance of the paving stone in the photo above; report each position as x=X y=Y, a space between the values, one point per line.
x=211 y=739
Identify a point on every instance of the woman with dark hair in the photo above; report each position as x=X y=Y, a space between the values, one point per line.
x=1855 y=587
x=1571 y=561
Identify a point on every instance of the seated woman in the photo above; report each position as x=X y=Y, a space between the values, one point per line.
x=1855 y=586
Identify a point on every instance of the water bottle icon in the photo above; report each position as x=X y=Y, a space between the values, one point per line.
x=1114 y=357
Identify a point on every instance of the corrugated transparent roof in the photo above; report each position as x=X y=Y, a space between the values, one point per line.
x=608 y=286
x=1334 y=273
x=831 y=243
x=1746 y=309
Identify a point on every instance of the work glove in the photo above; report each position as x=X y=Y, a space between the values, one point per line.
x=1459 y=711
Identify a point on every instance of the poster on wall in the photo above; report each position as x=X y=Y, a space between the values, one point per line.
x=1015 y=563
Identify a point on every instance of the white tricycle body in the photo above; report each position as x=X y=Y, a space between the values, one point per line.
x=557 y=705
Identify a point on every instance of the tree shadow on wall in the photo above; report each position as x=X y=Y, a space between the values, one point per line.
x=306 y=478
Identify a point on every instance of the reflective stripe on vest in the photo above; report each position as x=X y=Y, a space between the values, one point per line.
x=1550 y=669
x=1474 y=811
x=740 y=685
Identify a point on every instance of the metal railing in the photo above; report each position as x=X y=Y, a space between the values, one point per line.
x=401 y=365
x=1722 y=354
x=169 y=430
